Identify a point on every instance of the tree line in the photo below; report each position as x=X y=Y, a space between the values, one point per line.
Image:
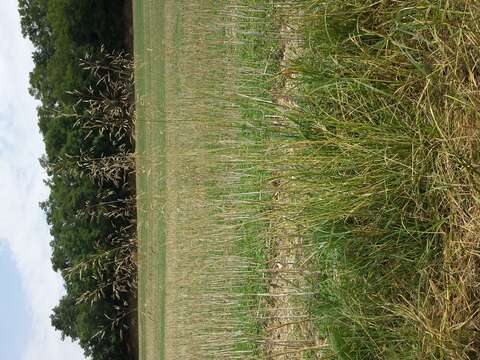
x=83 y=78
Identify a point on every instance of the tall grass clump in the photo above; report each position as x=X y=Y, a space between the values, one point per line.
x=384 y=156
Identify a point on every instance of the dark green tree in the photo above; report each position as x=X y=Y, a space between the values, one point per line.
x=90 y=233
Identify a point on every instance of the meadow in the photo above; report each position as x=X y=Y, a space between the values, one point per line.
x=307 y=179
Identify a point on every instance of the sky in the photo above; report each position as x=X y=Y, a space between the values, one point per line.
x=14 y=309
x=30 y=288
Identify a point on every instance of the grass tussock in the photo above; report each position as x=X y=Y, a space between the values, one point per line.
x=386 y=98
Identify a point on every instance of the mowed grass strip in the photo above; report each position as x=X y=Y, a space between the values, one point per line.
x=150 y=148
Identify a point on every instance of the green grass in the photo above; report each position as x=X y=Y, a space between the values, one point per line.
x=150 y=143
x=374 y=168
x=180 y=73
x=387 y=132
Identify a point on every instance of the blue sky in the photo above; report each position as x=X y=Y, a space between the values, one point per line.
x=14 y=312
x=32 y=288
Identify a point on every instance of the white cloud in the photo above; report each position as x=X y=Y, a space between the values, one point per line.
x=22 y=222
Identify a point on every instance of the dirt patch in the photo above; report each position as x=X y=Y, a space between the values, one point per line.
x=290 y=331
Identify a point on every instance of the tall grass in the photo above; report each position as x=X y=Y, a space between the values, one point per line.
x=386 y=110
x=222 y=262
x=327 y=191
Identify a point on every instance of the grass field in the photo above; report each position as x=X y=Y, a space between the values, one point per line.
x=151 y=174
x=307 y=179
